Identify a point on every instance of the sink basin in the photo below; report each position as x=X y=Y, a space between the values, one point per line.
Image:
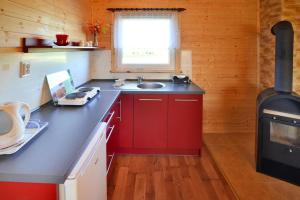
x=150 y=85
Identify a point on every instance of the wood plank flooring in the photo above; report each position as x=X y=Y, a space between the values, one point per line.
x=137 y=177
x=234 y=155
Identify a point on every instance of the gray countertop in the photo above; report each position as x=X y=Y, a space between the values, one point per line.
x=131 y=87
x=50 y=156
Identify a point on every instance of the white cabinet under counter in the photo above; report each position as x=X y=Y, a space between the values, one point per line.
x=87 y=180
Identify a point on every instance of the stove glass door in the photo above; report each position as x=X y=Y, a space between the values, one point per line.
x=284 y=134
x=281 y=141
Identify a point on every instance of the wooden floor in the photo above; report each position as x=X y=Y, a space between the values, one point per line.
x=167 y=178
x=234 y=155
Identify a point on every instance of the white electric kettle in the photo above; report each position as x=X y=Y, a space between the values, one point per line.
x=12 y=125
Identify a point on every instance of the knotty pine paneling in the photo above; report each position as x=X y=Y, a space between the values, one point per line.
x=39 y=18
x=223 y=38
x=42 y=18
x=291 y=12
x=272 y=11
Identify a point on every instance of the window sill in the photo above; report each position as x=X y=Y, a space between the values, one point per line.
x=142 y=71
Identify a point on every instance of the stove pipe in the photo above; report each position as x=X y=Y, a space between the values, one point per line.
x=284 y=34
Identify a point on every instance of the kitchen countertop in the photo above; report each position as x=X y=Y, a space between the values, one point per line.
x=131 y=87
x=51 y=155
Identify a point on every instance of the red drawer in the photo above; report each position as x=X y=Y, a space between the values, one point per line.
x=113 y=121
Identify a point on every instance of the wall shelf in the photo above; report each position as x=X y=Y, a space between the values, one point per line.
x=36 y=45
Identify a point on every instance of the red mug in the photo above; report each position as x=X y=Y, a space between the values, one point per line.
x=61 y=39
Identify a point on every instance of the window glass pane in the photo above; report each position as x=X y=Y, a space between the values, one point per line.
x=145 y=56
x=145 y=33
x=145 y=41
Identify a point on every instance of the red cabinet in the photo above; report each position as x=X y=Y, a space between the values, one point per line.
x=161 y=123
x=27 y=191
x=150 y=121
x=125 y=139
x=185 y=121
x=113 y=123
x=141 y=123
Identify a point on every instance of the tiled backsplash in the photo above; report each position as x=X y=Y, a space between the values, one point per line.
x=101 y=66
x=33 y=89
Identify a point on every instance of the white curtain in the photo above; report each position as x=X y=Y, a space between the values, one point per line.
x=146 y=29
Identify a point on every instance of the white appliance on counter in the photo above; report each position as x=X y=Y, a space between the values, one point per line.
x=12 y=125
x=87 y=180
x=63 y=91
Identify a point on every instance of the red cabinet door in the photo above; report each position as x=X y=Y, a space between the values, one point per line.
x=150 y=121
x=185 y=121
x=125 y=136
x=28 y=191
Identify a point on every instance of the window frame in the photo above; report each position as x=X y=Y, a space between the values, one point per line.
x=173 y=67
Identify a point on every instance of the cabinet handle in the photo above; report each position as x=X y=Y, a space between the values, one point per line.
x=111 y=116
x=150 y=99
x=120 y=111
x=97 y=160
x=110 y=132
x=88 y=161
x=109 y=165
x=186 y=100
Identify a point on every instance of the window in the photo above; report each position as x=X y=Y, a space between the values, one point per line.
x=145 y=40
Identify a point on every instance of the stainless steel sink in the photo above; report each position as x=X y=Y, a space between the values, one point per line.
x=150 y=85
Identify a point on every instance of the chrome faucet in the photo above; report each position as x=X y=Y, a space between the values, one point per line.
x=140 y=79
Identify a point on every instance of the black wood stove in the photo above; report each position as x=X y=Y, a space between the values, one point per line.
x=278 y=114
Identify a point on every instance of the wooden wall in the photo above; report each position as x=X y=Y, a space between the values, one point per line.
x=273 y=11
x=270 y=13
x=223 y=38
x=41 y=18
x=291 y=12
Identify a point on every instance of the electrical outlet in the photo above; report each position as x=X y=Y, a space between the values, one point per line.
x=25 y=69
